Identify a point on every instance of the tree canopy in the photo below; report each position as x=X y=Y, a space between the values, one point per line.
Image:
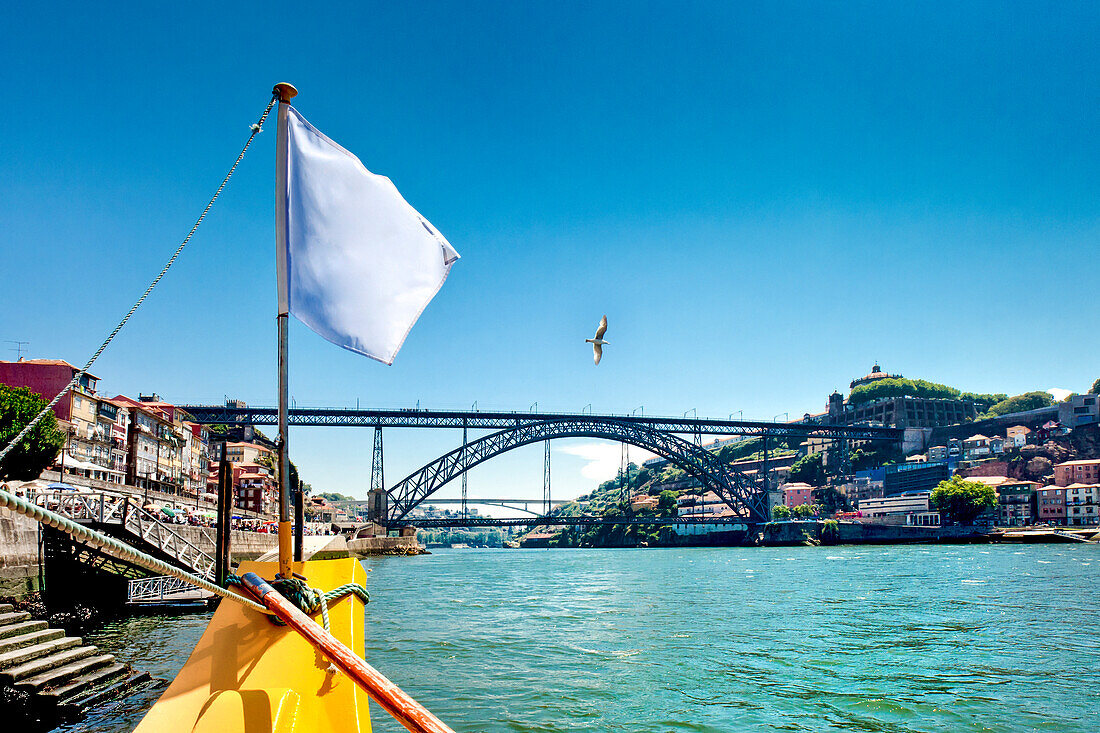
x=333 y=496
x=781 y=512
x=1021 y=403
x=901 y=387
x=963 y=500
x=18 y=406
x=809 y=469
x=1095 y=389
x=666 y=503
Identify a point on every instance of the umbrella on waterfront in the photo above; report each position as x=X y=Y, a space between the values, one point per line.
x=61 y=486
x=168 y=511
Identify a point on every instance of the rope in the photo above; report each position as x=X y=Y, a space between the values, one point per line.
x=256 y=128
x=118 y=549
x=309 y=600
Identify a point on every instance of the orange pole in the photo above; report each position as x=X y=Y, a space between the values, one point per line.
x=395 y=701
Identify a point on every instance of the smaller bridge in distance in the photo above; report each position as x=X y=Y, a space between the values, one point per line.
x=519 y=505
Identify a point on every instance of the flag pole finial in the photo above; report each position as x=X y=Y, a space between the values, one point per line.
x=285 y=91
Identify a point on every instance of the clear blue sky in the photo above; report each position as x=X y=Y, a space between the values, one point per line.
x=764 y=198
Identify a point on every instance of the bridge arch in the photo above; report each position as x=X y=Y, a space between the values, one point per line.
x=738 y=491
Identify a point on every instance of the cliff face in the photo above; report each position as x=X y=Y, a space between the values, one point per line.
x=1036 y=462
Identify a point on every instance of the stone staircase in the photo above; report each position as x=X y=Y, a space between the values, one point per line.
x=46 y=676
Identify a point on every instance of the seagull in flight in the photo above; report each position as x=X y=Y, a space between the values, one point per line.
x=598 y=342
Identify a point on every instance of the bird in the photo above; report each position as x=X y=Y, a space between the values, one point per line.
x=598 y=342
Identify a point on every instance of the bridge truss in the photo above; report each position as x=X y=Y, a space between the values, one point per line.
x=738 y=491
x=481 y=420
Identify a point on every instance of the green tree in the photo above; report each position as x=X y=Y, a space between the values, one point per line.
x=809 y=469
x=983 y=401
x=1021 y=403
x=900 y=388
x=830 y=532
x=802 y=511
x=18 y=406
x=1095 y=389
x=781 y=512
x=666 y=503
x=962 y=500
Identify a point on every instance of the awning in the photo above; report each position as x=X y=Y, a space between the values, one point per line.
x=71 y=462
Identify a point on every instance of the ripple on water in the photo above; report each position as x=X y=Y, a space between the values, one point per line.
x=898 y=639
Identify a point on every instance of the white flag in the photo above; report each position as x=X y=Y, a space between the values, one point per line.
x=361 y=263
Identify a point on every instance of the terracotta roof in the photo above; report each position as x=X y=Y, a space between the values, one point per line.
x=50 y=362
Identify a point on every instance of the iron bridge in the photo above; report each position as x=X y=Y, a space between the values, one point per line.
x=433 y=523
x=483 y=420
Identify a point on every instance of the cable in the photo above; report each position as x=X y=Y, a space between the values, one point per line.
x=256 y=128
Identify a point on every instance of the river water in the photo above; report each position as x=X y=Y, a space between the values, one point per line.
x=898 y=638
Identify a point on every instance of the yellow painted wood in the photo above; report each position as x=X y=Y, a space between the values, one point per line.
x=247 y=674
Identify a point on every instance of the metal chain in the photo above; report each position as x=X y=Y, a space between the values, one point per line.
x=257 y=128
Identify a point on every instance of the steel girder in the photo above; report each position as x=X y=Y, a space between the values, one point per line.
x=422 y=523
x=478 y=420
x=741 y=493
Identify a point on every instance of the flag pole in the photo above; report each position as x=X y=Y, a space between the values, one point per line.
x=285 y=92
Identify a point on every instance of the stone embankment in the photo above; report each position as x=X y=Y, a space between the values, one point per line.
x=21 y=559
x=809 y=532
x=47 y=677
x=19 y=555
x=366 y=546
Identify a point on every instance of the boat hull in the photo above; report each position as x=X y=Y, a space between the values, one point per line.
x=247 y=674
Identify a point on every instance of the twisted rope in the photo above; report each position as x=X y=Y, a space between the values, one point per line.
x=309 y=600
x=118 y=549
x=256 y=128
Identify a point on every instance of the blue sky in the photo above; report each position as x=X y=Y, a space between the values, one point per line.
x=764 y=198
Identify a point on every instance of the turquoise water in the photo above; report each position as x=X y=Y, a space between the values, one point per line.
x=951 y=638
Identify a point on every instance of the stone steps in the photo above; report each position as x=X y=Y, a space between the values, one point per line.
x=52 y=677
x=44 y=664
x=37 y=651
x=56 y=676
x=86 y=685
x=13 y=617
x=37 y=636
x=23 y=627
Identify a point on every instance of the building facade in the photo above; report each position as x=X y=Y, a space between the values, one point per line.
x=1077 y=472
x=1081 y=504
x=1050 y=505
x=1079 y=409
x=909 y=477
x=897 y=508
x=1016 y=503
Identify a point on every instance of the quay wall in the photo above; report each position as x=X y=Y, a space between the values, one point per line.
x=798 y=532
x=242 y=545
x=21 y=566
x=384 y=546
x=19 y=560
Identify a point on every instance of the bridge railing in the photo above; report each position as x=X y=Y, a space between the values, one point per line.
x=157 y=588
x=121 y=510
x=100 y=507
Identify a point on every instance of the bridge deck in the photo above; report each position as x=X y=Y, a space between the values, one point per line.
x=431 y=523
x=477 y=419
